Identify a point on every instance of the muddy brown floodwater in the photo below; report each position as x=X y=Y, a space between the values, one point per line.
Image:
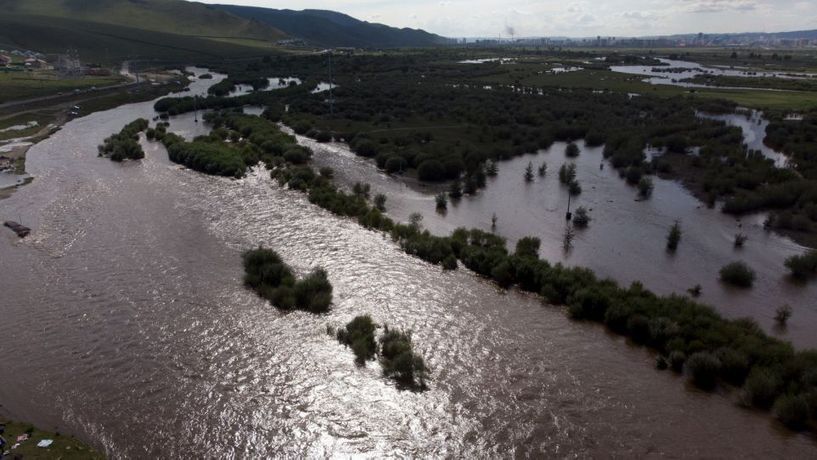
x=626 y=238
x=124 y=321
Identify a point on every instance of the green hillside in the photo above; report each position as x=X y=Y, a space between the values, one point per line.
x=105 y=43
x=168 y=16
x=329 y=28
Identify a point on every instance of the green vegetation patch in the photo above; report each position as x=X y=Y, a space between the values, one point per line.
x=399 y=360
x=803 y=266
x=28 y=84
x=273 y=280
x=738 y=274
x=359 y=335
x=125 y=144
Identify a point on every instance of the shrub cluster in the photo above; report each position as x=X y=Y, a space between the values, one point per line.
x=803 y=266
x=399 y=360
x=738 y=274
x=125 y=144
x=273 y=280
x=359 y=335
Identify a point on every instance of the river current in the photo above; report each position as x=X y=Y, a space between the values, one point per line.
x=125 y=322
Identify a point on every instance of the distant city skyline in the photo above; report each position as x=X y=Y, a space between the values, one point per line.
x=529 y=18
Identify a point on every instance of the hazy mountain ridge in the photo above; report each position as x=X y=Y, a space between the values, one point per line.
x=329 y=28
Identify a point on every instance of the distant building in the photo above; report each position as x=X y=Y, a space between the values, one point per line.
x=35 y=63
x=4 y=60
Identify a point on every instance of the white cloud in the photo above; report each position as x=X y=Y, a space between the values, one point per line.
x=718 y=6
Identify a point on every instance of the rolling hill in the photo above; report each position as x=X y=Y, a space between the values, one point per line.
x=110 y=44
x=329 y=28
x=169 y=16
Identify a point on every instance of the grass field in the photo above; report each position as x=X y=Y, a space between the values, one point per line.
x=24 y=85
x=112 y=44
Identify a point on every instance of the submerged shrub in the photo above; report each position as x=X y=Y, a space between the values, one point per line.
x=581 y=218
x=528 y=247
x=272 y=279
x=677 y=360
x=359 y=335
x=645 y=187
x=450 y=262
x=704 y=368
x=803 y=266
x=761 y=388
x=674 y=237
x=734 y=366
x=125 y=144
x=574 y=188
x=567 y=173
x=313 y=293
x=792 y=411
x=572 y=150
x=529 y=172
x=442 y=201
x=380 y=202
x=399 y=360
x=737 y=274
x=782 y=314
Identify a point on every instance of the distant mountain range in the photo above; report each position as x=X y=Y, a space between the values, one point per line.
x=329 y=28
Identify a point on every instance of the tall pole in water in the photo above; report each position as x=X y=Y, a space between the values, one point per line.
x=195 y=109
x=568 y=215
x=331 y=84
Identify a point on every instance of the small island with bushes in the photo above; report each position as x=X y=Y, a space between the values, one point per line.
x=125 y=144
x=397 y=357
x=273 y=280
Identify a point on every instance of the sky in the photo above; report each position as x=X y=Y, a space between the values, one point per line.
x=527 y=18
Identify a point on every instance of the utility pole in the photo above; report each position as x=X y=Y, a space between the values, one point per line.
x=331 y=84
x=568 y=216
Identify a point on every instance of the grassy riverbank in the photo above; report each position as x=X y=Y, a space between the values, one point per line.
x=24 y=85
x=50 y=114
x=63 y=447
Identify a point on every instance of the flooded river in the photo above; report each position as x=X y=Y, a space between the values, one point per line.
x=125 y=322
x=626 y=238
x=673 y=72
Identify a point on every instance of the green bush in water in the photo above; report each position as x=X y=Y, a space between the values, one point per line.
x=734 y=366
x=704 y=368
x=677 y=360
x=737 y=274
x=762 y=388
x=272 y=279
x=399 y=360
x=803 y=266
x=674 y=237
x=359 y=335
x=572 y=150
x=792 y=411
